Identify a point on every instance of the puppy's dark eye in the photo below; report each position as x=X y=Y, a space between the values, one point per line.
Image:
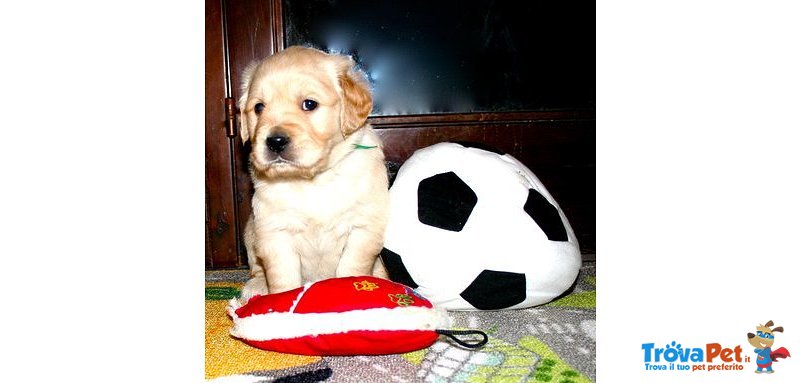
x=259 y=108
x=309 y=105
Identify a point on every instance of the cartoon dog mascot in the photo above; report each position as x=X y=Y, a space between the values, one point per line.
x=762 y=341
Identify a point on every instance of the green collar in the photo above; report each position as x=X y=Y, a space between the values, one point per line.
x=359 y=146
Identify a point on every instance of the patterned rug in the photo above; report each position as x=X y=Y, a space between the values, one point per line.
x=552 y=343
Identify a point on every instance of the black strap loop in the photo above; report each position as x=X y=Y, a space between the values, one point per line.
x=452 y=334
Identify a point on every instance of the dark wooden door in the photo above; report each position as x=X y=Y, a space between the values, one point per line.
x=556 y=139
x=221 y=231
x=237 y=32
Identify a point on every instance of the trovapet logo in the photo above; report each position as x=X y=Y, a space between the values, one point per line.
x=717 y=357
x=710 y=357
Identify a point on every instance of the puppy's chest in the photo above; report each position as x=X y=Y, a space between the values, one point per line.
x=318 y=224
x=312 y=210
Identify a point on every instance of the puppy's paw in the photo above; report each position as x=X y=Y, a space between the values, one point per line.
x=254 y=286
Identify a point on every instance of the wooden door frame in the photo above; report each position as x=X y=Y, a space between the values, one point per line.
x=221 y=237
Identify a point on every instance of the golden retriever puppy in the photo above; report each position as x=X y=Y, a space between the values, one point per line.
x=321 y=190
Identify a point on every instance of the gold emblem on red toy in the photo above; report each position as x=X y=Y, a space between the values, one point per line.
x=365 y=285
x=401 y=299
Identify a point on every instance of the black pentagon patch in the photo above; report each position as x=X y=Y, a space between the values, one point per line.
x=546 y=216
x=445 y=201
x=495 y=290
x=481 y=146
x=396 y=269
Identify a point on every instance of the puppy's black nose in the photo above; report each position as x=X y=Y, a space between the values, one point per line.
x=277 y=143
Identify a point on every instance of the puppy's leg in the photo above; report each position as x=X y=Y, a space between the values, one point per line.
x=277 y=270
x=360 y=253
x=257 y=284
x=281 y=262
x=274 y=263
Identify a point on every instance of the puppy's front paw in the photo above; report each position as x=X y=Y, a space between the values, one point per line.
x=255 y=286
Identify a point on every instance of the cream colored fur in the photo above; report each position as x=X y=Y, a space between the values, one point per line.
x=320 y=206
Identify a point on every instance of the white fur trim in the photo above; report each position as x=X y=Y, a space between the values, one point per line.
x=285 y=325
x=300 y=296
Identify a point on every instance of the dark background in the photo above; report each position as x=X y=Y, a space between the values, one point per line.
x=458 y=56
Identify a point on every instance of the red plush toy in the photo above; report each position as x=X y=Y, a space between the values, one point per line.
x=343 y=316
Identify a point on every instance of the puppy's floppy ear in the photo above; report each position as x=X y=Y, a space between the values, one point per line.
x=243 y=130
x=356 y=98
x=247 y=78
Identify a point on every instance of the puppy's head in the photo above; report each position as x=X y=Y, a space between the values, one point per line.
x=296 y=107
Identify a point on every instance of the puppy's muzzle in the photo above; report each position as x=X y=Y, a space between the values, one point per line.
x=277 y=143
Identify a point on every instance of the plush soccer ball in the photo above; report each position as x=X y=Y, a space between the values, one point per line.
x=473 y=229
